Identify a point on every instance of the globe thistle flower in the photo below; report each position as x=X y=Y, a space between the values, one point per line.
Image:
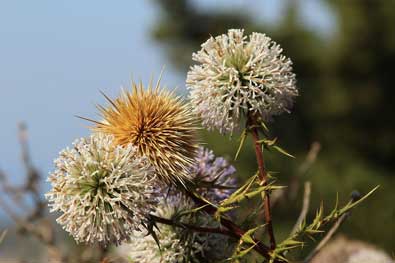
x=239 y=75
x=103 y=191
x=158 y=124
x=213 y=176
x=178 y=244
x=144 y=249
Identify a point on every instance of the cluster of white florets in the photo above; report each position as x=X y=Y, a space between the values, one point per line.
x=238 y=76
x=175 y=243
x=103 y=191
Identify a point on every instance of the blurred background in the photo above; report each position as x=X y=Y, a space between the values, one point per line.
x=55 y=57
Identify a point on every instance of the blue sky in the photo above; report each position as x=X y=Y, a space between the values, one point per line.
x=55 y=56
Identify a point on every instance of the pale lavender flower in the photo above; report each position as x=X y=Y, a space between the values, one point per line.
x=214 y=176
x=103 y=191
x=238 y=76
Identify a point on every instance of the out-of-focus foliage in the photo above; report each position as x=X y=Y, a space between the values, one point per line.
x=346 y=100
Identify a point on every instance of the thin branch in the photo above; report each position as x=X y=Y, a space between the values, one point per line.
x=305 y=207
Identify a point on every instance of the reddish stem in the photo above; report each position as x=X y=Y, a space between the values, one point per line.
x=264 y=180
x=213 y=230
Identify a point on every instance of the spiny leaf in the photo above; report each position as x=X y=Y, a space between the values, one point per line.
x=239 y=192
x=242 y=139
x=270 y=174
x=318 y=217
x=265 y=128
x=289 y=243
x=268 y=142
x=191 y=211
x=279 y=149
x=247 y=236
x=262 y=189
x=203 y=198
x=278 y=257
x=240 y=253
x=223 y=209
x=250 y=194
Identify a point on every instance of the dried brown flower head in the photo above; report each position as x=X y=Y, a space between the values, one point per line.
x=158 y=123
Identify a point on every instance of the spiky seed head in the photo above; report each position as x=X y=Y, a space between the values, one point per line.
x=237 y=76
x=103 y=191
x=159 y=124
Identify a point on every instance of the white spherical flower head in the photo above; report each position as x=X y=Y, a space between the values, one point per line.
x=103 y=191
x=177 y=245
x=239 y=75
x=144 y=249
